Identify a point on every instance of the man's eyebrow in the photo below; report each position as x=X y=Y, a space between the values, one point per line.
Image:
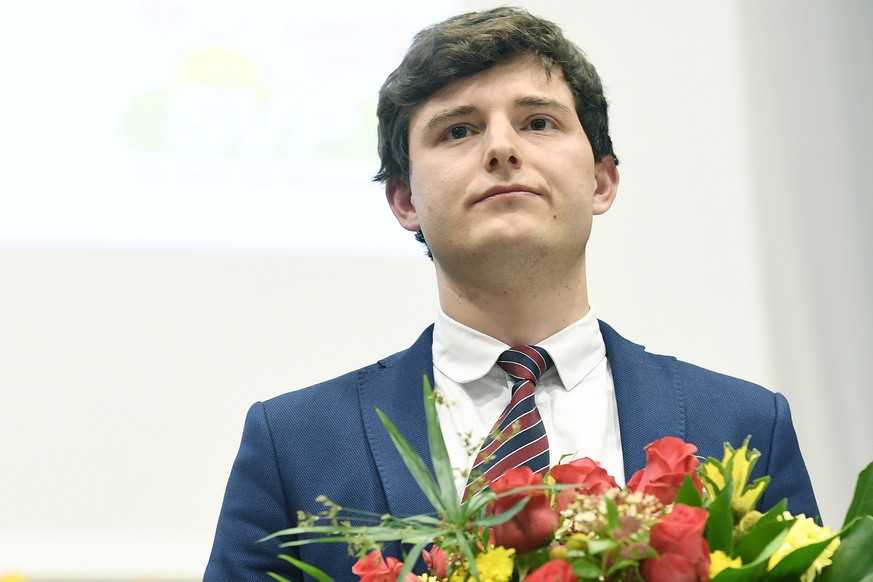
x=526 y=101
x=540 y=101
x=448 y=114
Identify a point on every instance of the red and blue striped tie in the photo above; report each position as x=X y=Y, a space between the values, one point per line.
x=518 y=437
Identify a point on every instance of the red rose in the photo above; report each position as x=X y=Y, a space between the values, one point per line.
x=683 y=554
x=589 y=475
x=437 y=561
x=374 y=568
x=668 y=461
x=534 y=525
x=552 y=571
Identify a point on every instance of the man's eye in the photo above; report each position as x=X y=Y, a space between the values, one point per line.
x=458 y=132
x=539 y=124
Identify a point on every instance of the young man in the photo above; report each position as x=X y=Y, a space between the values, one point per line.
x=495 y=150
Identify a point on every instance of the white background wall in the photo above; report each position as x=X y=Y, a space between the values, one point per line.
x=738 y=242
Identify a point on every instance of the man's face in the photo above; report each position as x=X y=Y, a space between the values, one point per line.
x=499 y=160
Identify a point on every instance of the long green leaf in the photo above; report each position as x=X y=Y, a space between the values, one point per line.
x=478 y=502
x=720 y=523
x=774 y=513
x=410 y=558
x=423 y=519
x=342 y=529
x=762 y=541
x=376 y=534
x=327 y=530
x=416 y=467
x=748 y=573
x=797 y=562
x=392 y=524
x=853 y=560
x=442 y=466
x=467 y=550
x=498 y=518
x=862 y=501
x=311 y=570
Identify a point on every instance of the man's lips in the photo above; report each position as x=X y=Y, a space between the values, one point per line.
x=504 y=189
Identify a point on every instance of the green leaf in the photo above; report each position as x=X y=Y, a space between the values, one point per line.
x=747 y=573
x=757 y=551
x=853 y=560
x=586 y=569
x=467 y=550
x=688 y=493
x=475 y=504
x=419 y=470
x=774 y=513
x=600 y=546
x=379 y=534
x=798 y=561
x=411 y=557
x=613 y=522
x=862 y=501
x=620 y=565
x=530 y=561
x=442 y=466
x=311 y=570
x=720 y=523
x=503 y=517
x=762 y=541
x=423 y=519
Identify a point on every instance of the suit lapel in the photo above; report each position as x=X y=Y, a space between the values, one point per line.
x=650 y=401
x=394 y=386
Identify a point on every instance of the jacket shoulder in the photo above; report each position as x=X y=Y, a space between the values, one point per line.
x=307 y=399
x=697 y=381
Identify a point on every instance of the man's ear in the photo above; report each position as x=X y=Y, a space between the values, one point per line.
x=399 y=197
x=606 y=175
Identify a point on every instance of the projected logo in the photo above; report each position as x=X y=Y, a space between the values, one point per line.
x=218 y=106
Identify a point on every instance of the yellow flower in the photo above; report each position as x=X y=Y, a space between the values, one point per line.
x=736 y=465
x=804 y=531
x=748 y=521
x=719 y=561
x=422 y=577
x=495 y=565
x=713 y=479
x=12 y=578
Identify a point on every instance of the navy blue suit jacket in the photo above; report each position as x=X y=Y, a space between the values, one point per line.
x=328 y=440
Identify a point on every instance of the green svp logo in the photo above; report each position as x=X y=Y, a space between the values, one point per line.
x=218 y=106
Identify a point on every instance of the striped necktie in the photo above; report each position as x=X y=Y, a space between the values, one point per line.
x=518 y=437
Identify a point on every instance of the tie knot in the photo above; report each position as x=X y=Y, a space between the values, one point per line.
x=525 y=362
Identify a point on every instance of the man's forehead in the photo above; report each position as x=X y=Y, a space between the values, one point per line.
x=524 y=81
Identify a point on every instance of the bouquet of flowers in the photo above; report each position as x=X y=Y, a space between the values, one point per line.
x=678 y=519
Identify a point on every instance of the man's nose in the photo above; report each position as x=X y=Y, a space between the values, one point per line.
x=502 y=150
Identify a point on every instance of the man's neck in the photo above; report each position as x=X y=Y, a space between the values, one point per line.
x=515 y=312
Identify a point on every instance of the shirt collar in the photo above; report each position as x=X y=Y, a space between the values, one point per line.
x=464 y=354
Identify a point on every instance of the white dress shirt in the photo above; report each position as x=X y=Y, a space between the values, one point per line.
x=576 y=398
